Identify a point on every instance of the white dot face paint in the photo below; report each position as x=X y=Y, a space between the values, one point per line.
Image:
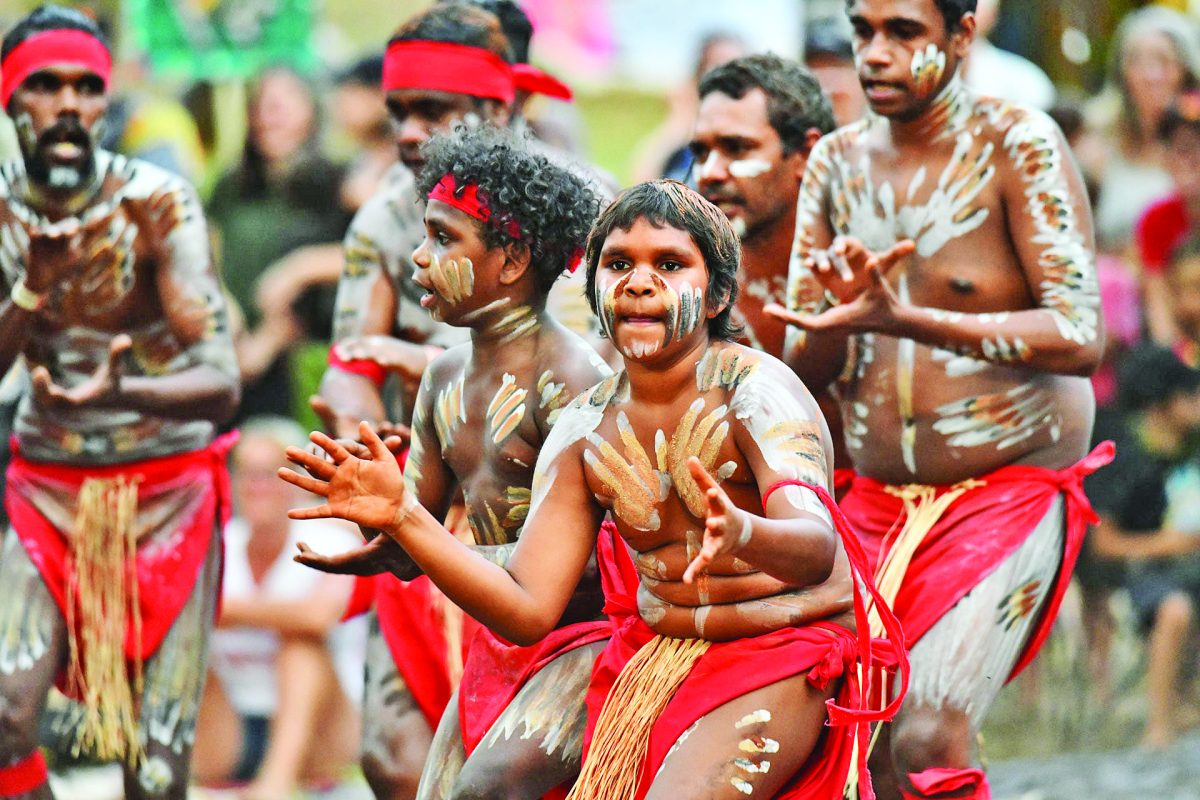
x=749 y=167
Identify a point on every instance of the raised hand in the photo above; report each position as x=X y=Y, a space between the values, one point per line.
x=874 y=309
x=102 y=386
x=369 y=492
x=726 y=527
x=845 y=269
x=394 y=355
x=380 y=554
x=156 y=217
x=58 y=251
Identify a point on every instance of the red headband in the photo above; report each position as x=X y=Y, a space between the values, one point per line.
x=446 y=67
x=533 y=80
x=60 y=46
x=467 y=200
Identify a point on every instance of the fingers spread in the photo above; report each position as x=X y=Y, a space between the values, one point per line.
x=316 y=512
x=306 y=483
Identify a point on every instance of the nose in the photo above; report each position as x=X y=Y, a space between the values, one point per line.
x=410 y=131
x=714 y=169
x=420 y=256
x=68 y=99
x=639 y=283
x=875 y=52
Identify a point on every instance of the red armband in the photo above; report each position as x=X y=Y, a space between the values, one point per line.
x=360 y=366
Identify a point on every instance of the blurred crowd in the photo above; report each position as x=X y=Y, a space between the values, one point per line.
x=316 y=149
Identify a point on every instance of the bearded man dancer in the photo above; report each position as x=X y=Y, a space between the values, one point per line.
x=717 y=683
x=951 y=234
x=117 y=489
x=490 y=255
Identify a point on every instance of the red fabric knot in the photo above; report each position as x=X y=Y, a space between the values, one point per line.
x=529 y=78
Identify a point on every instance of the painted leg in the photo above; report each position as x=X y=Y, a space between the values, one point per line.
x=1168 y=639
x=173 y=682
x=537 y=743
x=396 y=737
x=33 y=647
x=446 y=756
x=749 y=747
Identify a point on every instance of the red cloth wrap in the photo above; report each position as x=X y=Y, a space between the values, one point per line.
x=448 y=67
x=24 y=776
x=977 y=533
x=42 y=50
x=529 y=78
x=497 y=670
x=728 y=670
x=165 y=574
x=359 y=366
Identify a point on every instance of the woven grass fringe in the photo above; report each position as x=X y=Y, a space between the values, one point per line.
x=101 y=597
x=641 y=692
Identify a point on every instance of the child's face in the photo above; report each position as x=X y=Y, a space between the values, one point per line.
x=652 y=291
x=454 y=264
x=1184 y=280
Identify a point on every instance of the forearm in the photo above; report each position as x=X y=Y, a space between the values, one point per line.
x=352 y=396
x=798 y=551
x=16 y=323
x=481 y=588
x=313 y=618
x=202 y=391
x=1039 y=339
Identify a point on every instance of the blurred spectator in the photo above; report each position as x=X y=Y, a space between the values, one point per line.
x=1170 y=220
x=994 y=72
x=1156 y=56
x=281 y=704
x=279 y=198
x=829 y=55
x=1149 y=505
x=664 y=152
x=358 y=107
x=1182 y=279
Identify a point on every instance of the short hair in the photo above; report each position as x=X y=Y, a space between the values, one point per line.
x=795 y=102
x=50 y=17
x=457 y=23
x=667 y=203
x=366 y=71
x=553 y=208
x=515 y=24
x=952 y=11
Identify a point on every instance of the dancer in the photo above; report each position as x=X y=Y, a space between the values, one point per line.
x=719 y=682
x=951 y=235
x=117 y=489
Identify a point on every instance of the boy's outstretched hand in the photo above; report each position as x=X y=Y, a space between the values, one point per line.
x=366 y=491
x=726 y=527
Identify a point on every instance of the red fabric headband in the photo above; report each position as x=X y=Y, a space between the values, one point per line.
x=533 y=80
x=467 y=200
x=446 y=67
x=61 y=46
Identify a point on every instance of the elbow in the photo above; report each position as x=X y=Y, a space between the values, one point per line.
x=818 y=565
x=528 y=631
x=226 y=401
x=1086 y=359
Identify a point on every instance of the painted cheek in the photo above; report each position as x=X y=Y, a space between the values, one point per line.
x=706 y=170
x=749 y=167
x=927 y=68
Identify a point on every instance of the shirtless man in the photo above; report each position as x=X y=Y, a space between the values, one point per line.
x=109 y=572
x=952 y=236
x=488 y=260
x=726 y=690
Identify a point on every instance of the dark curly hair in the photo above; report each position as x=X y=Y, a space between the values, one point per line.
x=553 y=208
x=952 y=11
x=457 y=23
x=671 y=204
x=795 y=102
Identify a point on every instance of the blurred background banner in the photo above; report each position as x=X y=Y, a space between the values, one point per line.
x=222 y=39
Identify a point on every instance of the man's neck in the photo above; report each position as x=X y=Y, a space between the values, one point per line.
x=942 y=118
x=769 y=251
x=662 y=383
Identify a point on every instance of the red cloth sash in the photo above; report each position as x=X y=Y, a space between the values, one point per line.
x=165 y=574
x=976 y=534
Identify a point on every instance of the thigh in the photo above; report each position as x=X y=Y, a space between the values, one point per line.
x=753 y=744
x=33 y=647
x=446 y=756
x=963 y=661
x=537 y=743
x=396 y=736
x=173 y=684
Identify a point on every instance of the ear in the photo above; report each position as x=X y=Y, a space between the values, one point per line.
x=964 y=35
x=800 y=156
x=516 y=263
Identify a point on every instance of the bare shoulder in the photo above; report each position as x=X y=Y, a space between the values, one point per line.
x=1016 y=129
x=447 y=365
x=747 y=376
x=844 y=141
x=571 y=359
x=138 y=179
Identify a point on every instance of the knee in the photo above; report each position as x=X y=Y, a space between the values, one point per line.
x=389 y=778
x=1176 y=612
x=925 y=738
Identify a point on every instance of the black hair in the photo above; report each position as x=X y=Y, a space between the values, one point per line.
x=457 y=23
x=366 y=71
x=515 y=24
x=1151 y=375
x=795 y=102
x=828 y=37
x=671 y=204
x=551 y=206
x=952 y=11
x=50 y=17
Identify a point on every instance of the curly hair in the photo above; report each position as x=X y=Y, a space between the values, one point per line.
x=553 y=207
x=795 y=102
x=952 y=11
x=666 y=203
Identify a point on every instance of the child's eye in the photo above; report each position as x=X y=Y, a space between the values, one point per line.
x=671 y=266
x=618 y=265
x=442 y=238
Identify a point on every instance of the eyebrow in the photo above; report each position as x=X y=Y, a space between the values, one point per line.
x=657 y=253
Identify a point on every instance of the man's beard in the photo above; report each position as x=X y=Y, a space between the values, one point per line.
x=45 y=172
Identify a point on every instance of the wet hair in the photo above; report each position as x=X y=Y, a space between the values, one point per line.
x=457 y=23
x=50 y=17
x=795 y=102
x=552 y=207
x=671 y=204
x=952 y=11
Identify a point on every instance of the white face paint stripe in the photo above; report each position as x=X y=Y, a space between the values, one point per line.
x=748 y=167
x=709 y=166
